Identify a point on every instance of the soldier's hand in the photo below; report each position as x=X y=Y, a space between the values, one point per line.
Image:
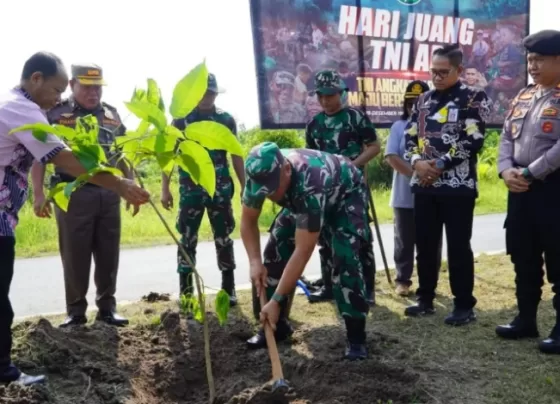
x=41 y=206
x=258 y=275
x=514 y=180
x=132 y=193
x=135 y=210
x=166 y=199
x=271 y=313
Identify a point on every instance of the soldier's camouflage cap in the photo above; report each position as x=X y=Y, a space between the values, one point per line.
x=263 y=167
x=88 y=74
x=329 y=82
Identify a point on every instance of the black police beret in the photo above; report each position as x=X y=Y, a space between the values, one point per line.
x=546 y=43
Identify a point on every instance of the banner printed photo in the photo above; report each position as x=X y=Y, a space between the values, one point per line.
x=378 y=47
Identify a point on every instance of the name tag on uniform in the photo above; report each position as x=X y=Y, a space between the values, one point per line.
x=453 y=114
x=550 y=112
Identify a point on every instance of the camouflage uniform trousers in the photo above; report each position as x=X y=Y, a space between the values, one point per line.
x=193 y=201
x=344 y=233
x=366 y=254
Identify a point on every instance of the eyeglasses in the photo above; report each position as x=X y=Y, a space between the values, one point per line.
x=443 y=73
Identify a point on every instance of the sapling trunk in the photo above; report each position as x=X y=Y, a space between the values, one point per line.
x=201 y=300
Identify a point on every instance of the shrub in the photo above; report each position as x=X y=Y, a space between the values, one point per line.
x=285 y=139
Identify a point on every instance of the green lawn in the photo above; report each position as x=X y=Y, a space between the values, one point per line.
x=39 y=236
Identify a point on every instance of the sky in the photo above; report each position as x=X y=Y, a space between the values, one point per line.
x=164 y=41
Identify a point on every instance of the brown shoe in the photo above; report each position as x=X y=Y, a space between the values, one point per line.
x=402 y=290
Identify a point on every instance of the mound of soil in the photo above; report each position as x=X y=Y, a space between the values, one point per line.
x=156 y=297
x=164 y=364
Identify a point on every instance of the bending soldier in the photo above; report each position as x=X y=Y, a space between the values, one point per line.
x=325 y=194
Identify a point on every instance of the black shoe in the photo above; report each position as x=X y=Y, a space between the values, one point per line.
x=518 y=329
x=325 y=294
x=11 y=374
x=460 y=317
x=228 y=284
x=73 y=320
x=283 y=332
x=111 y=318
x=355 y=351
x=420 y=309
x=551 y=345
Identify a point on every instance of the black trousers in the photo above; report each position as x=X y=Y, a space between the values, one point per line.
x=431 y=213
x=7 y=257
x=533 y=231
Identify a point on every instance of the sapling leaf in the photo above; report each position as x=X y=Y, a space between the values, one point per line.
x=222 y=306
x=166 y=162
x=214 y=136
x=139 y=94
x=58 y=130
x=39 y=134
x=56 y=193
x=205 y=176
x=189 y=91
x=148 y=112
x=154 y=94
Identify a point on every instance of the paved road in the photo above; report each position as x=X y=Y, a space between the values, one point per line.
x=38 y=286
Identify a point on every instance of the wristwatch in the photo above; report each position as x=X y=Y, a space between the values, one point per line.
x=527 y=175
x=278 y=298
x=440 y=164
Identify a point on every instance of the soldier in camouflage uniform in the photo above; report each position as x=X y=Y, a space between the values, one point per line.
x=324 y=193
x=283 y=107
x=194 y=199
x=91 y=227
x=349 y=132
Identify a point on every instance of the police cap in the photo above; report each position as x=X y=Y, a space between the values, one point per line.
x=88 y=74
x=546 y=43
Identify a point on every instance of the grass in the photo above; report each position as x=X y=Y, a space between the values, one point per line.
x=37 y=236
x=466 y=365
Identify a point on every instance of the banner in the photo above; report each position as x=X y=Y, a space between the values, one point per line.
x=378 y=47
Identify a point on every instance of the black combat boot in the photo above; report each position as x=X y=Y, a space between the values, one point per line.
x=420 y=309
x=551 y=345
x=524 y=325
x=283 y=329
x=519 y=328
x=460 y=317
x=356 y=348
x=228 y=284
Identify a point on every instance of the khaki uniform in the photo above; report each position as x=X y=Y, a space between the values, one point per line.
x=92 y=225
